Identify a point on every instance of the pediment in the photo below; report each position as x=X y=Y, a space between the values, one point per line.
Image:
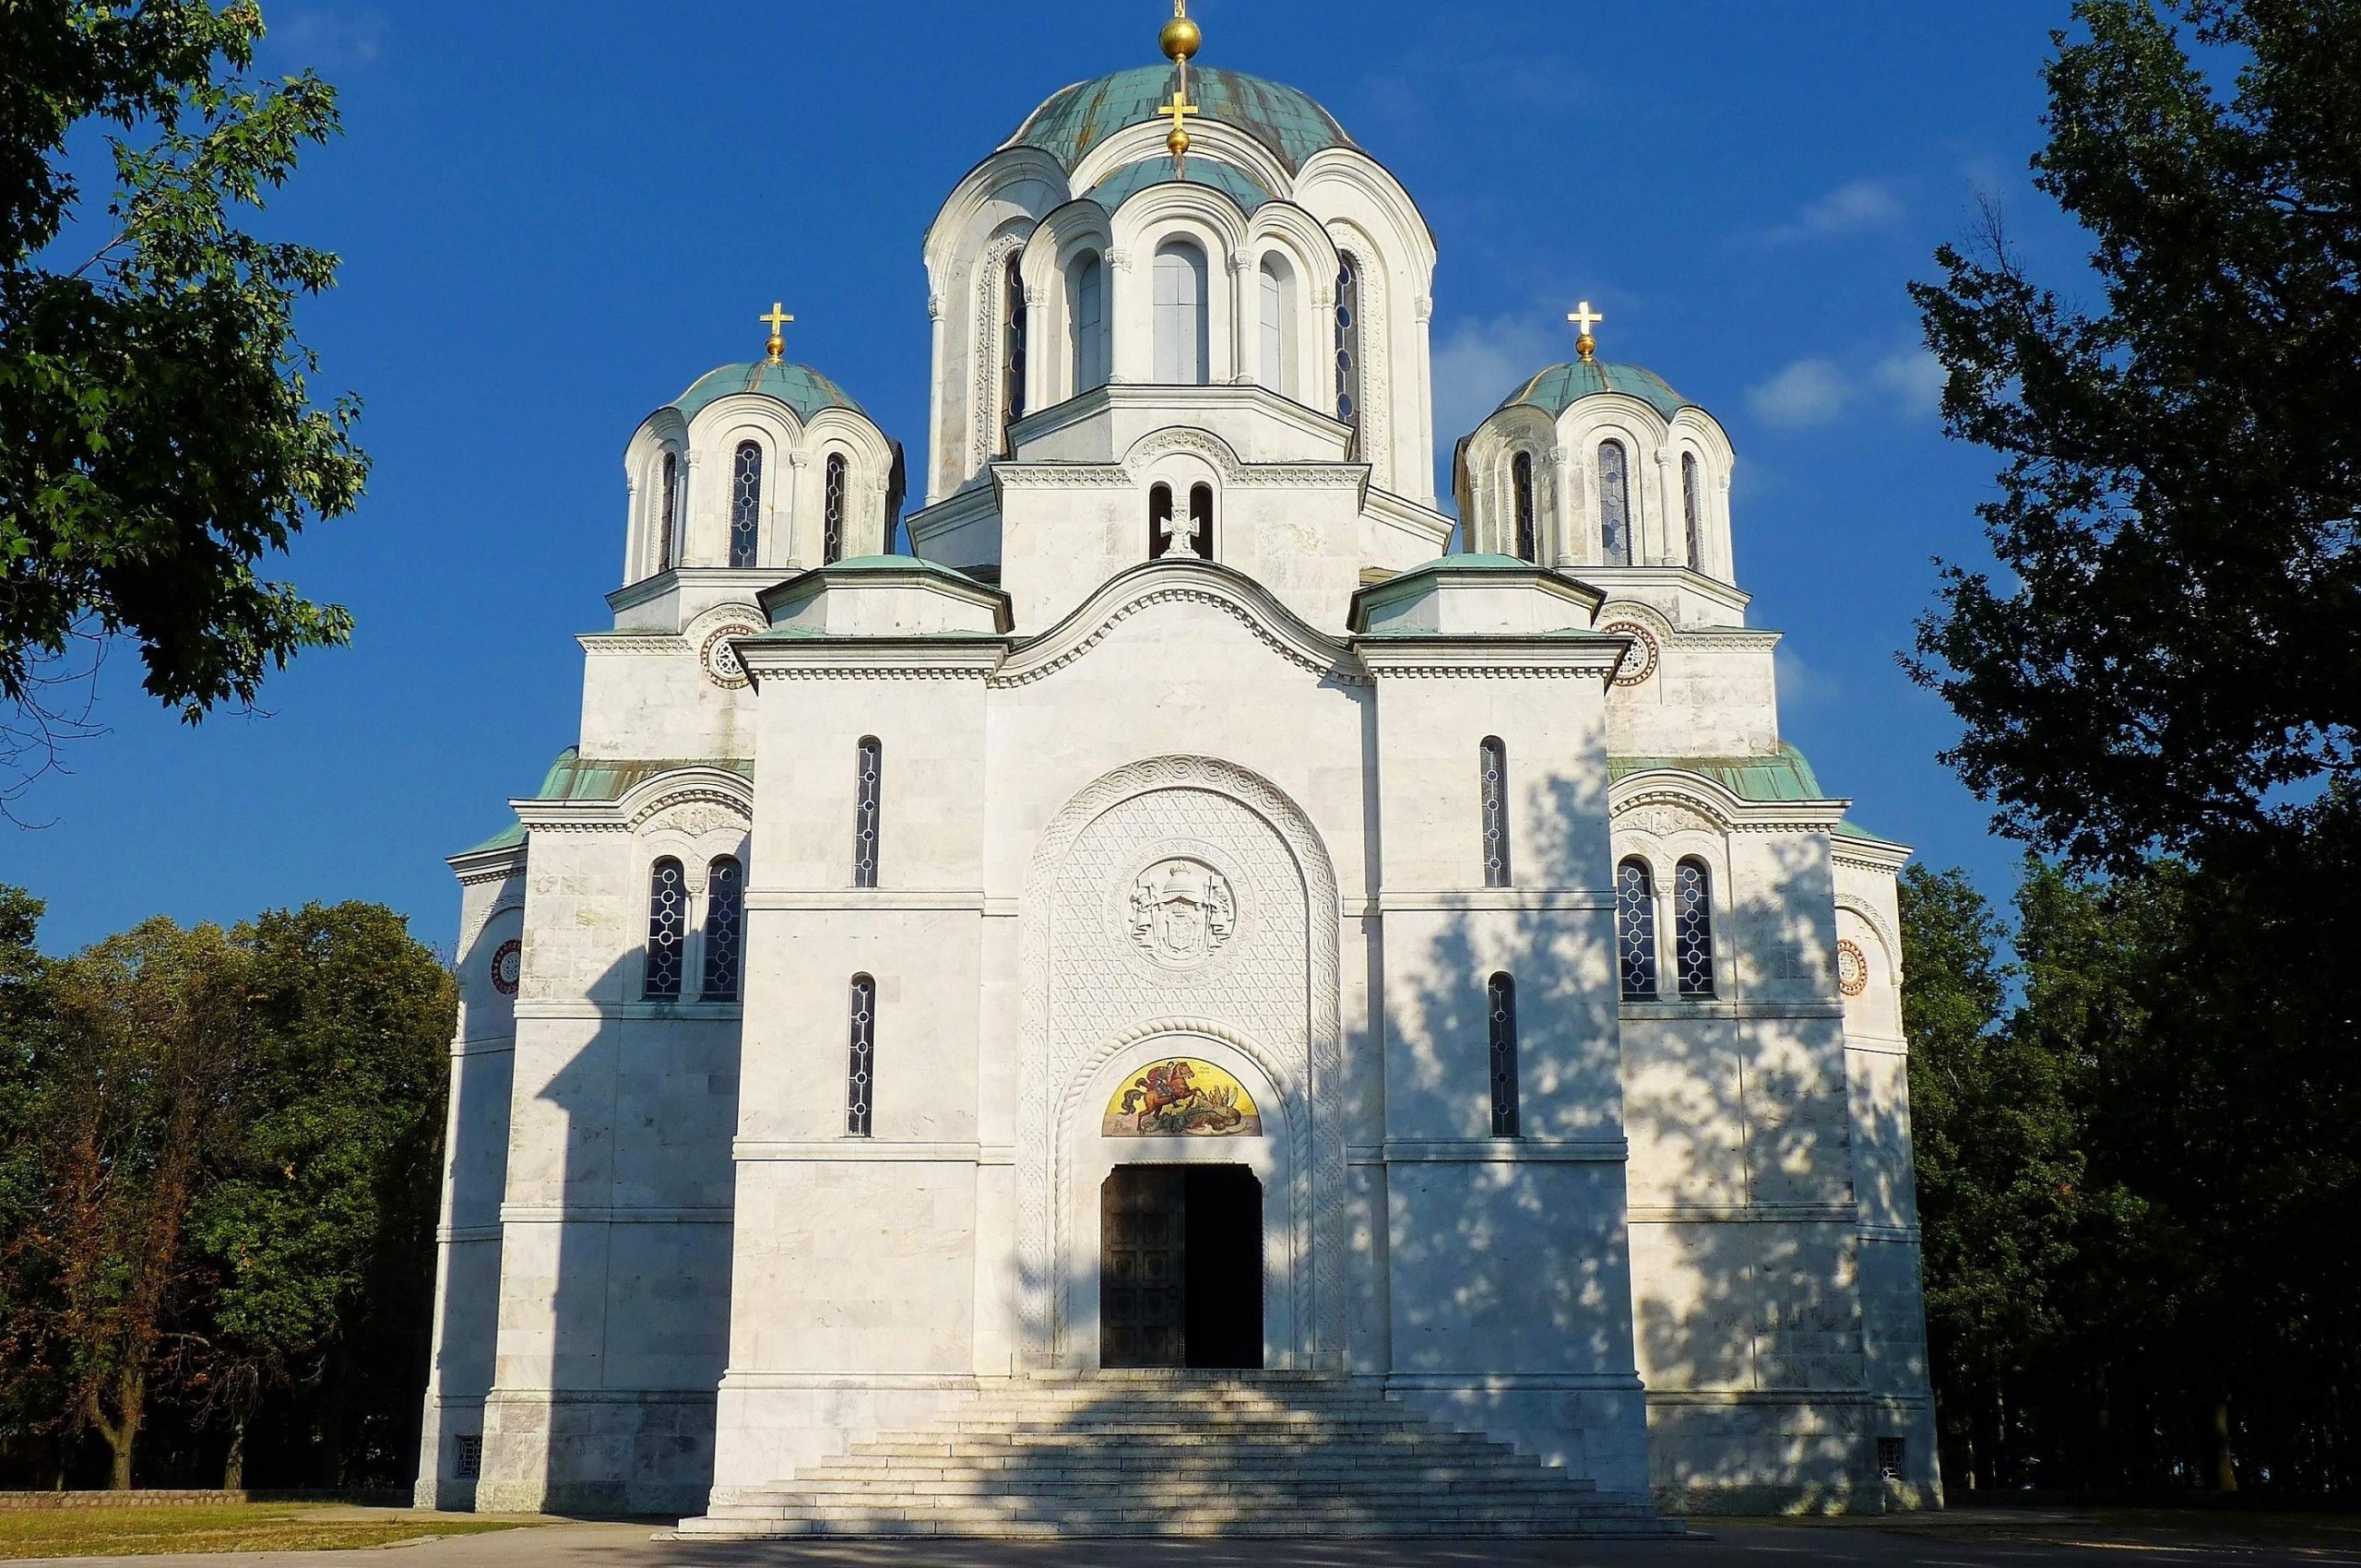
x=1146 y=587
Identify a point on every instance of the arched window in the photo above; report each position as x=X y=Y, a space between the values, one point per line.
x=869 y=781
x=1201 y=521
x=831 y=511
x=1614 y=504
x=1013 y=328
x=1159 y=522
x=1635 y=929
x=1693 y=928
x=1500 y=994
x=1492 y=763
x=860 y=1074
x=1087 y=286
x=1278 y=326
x=1183 y=340
x=1528 y=547
x=745 y=503
x=668 y=515
x=725 y=929
x=668 y=928
x=1348 y=348
x=1692 y=511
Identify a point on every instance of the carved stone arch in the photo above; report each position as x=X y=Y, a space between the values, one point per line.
x=1887 y=938
x=1157 y=444
x=991 y=282
x=1308 y=1070
x=1377 y=386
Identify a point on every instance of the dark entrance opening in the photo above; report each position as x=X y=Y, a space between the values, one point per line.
x=1180 y=1267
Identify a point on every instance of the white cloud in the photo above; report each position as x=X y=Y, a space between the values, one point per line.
x=1857 y=206
x=1479 y=364
x=1801 y=685
x=346 y=36
x=1915 y=377
x=1808 y=392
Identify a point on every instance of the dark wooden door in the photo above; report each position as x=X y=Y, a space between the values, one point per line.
x=1143 y=1267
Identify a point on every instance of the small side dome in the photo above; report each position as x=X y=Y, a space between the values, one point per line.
x=1282 y=118
x=1562 y=386
x=1132 y=178
x=799 y=387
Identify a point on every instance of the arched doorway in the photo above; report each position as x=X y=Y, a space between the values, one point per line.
x=1180 y=1267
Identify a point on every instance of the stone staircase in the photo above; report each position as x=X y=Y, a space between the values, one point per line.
x=1180 y=1453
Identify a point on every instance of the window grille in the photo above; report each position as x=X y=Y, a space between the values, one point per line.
x=1160 y=520
x=1182 y=339
x=1089 y=324
x=467 y=1456
x=867 y=785
x=1528 y=548
x=1635 y=931
x=668 y=512
x=1692 y=511
x=1615 y=503
x=668 y=928
x=1499 y=993
x=1893 y=1454
x=861 y=1078
x=1201 y=521
x=745 y=503
x=1013 y=345
x=832 y=512
x=1348 y=348
x=1693 y=928
x=1492 y=765
x=725 y=929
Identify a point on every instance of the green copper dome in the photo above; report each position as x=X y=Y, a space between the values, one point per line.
x=1132 y=178
x=1562 y=386
x=1080 y=117
x=799 y=387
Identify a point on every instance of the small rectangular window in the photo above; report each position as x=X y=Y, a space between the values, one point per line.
x=862 y=1076
x=1493 y=775
x=869 y=783
x=1892 y=1452
x=1499 y=996
x=467 y=1456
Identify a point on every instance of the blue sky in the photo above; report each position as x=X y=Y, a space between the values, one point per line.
x=554 y=217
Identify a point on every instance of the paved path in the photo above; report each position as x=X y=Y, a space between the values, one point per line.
x=1953 y=1541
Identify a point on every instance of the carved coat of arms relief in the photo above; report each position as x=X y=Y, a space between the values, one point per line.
x=1182 y=912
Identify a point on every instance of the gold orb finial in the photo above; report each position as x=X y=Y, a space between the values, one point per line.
x=1181 y=38
x=1583 y=320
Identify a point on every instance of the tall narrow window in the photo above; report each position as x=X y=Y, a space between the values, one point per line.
x=1183 y=344
x=831 y=511
x=1635 y=929
x=1692 y=511
x=668 y=928
x=1499 y=993
x=1089 y=294
x=1528 y=547
x=1013 y=328
x=1492 y=762
x=1693 y=928
x=745 y=503
x=725 y=929
x=668 y=515
x=1272 y=370
x=1201 y=521
x=869 y=781
x=1159 y=522
x=1614 y=504
x=861 y=1076
x=1348 y=348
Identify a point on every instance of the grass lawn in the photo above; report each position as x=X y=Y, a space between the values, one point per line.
x=241 y=1526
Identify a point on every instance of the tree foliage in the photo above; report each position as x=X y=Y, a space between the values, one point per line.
x=2175 y=646
x=158 y=438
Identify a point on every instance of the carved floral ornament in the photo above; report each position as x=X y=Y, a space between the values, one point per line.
x=507 y=967
x=1641 y=662
x=719 y=660
x=1852 y=969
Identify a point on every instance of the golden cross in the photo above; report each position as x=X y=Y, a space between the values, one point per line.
x=777 y=318
x=1180 y=109
x=1585 y=318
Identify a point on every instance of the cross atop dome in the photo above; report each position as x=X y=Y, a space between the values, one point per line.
x=1181 y=40
x=1585 y=318
x=777 y=320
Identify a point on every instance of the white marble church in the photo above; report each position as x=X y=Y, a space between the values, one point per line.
x=1199 y=920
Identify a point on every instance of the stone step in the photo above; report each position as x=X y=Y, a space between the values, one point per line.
x=901 y=1471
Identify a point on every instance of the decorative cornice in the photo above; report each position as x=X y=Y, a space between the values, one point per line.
x=871 y=659
x=1724 y=810
x=1180 y=582
x=641 y=643
x=479 y=866
x=1564 y=655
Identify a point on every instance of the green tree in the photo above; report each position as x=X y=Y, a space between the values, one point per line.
x=2177 y=639
x=157 y=435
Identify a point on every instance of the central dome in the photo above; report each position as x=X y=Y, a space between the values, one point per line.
x=1078 y=118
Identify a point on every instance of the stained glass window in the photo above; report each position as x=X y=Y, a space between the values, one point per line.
x=1201 y=521
x=1499 y=993
x=1615 y=503
x=745 y=503
x=668 y=512
x=1348 y=348
x=668 y=928
x=1183 y=346
x=860 y=1079
x=1693 y=928
x=832 y=512
x=725 y=929
x=1691 y=505
x=868 y=786
x=1528 y=548
x=1492 y=764
x=1013 y=345
x=1089 y=322
x=1635 y=931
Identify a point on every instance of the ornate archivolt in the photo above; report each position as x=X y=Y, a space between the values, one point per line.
x=1270 y=990
x=1207 y=583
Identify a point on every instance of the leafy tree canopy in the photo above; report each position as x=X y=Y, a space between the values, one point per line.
x=2175 y=648
x=157 y=435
